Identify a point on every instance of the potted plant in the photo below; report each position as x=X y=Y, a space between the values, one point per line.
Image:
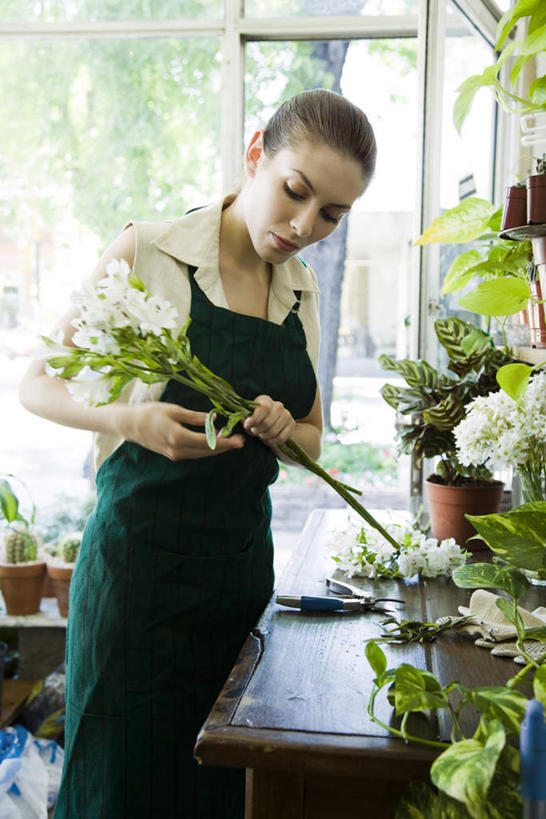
x=21 y=573
x=61 y=566
x=435 y=403
x=536 y=193
x=509 y=431
x=514 y=213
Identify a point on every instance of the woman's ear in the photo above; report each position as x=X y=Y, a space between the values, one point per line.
x=254 y=152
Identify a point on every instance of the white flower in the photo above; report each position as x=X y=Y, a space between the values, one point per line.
x=118 y=301
x=364 y=552
x=90 y=387
x=498 y=429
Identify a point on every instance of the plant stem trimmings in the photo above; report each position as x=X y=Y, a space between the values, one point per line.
x=124 y=333
x=362 y=552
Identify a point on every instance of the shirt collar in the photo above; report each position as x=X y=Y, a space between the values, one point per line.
x=194 y=240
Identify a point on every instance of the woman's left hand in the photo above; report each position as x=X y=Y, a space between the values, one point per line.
x=270 y=421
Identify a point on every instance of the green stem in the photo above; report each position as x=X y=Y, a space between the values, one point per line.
x=199 y=378
x=407 y=737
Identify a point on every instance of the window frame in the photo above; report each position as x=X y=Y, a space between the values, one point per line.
x=428 y=26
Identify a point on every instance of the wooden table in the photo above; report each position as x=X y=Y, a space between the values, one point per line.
x=293 y=711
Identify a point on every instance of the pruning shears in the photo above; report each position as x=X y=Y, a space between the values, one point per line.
x=349 y=598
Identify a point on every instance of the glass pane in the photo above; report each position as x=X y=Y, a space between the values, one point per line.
x=373 y=262
x=130 y=131
x=466 y=158
x=56 y=11
x=281 y=8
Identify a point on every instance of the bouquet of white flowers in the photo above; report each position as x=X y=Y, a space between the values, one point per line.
x=359 y=551
x=508 y=432
x=123 y=333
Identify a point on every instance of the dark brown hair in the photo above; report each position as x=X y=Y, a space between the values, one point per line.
x=323 y=116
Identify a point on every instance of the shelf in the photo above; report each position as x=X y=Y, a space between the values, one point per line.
x=525 y=232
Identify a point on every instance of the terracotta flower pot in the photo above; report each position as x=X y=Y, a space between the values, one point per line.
x=537 y=317
x=47 y=589
x=536 y=199
x=515 y=208
x=22 y=586
x=449 y=504
x=60 y=579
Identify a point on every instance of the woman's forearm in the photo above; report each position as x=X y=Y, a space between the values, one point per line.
x=48 y=397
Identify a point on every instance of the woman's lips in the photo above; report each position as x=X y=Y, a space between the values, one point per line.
x=282 y=244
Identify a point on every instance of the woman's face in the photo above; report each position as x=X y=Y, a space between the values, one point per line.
x=296 y=197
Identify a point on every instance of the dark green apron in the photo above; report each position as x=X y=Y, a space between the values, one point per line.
x=175 y=568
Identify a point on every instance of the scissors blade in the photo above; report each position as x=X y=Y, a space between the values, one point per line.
x=338 y=587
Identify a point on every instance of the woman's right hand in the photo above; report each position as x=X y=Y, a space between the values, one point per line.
x=160 y=427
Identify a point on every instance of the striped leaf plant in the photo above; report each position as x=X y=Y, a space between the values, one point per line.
x=435 y=402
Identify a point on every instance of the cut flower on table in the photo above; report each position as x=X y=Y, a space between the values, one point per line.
x=124 y=333
x=358 y=550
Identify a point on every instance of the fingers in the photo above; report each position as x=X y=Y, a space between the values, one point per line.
x=194 y=445
x=270 y=421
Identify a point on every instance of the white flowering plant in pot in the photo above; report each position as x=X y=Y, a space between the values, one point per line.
x=509 y=431
x=125 y=333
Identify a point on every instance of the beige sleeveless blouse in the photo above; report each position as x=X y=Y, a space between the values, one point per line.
x=164 y=250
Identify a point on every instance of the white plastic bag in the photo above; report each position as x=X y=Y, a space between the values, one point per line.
x=29 y=774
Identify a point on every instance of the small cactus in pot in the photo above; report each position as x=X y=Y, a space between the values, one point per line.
x=69 y=546
x=21 y=573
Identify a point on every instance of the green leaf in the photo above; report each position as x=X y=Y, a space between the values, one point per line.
x=210 y=429
x=514 y=379
x=534 y=43
x=539 y=685
x=461 y=223
x=465 y=770
x=460 y=272
x=420 y=801
x=490 y=576
x=524 y=8
x=498 y=297
x=499 y=702
x=537 y=91
x=8 y=501
x=537 y=633
x=517 y=536
x=376 y=658
x=417 y=690
x=416 y=373
x=135 y=282
x=507 y=609
x=466 y=93
x=446 y=414
x=475 y=342
x=495 y=222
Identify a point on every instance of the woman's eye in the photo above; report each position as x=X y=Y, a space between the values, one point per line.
x=328 y=218
x=292 y=194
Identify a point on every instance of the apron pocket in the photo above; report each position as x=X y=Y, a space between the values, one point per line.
x=189 y=618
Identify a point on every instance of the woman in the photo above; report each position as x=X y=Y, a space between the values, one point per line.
x=176 y=561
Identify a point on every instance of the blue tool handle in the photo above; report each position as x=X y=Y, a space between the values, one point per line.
x=321 y=604
x=533 y=757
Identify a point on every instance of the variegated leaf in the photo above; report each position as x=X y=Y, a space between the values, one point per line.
x=415 y=373
x=446 y=414
x=517 y=536
x=465 y=770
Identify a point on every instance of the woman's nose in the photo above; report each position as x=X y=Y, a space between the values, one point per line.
x=302 y=223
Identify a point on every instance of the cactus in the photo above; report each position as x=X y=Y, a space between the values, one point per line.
x=541 y=164
x=70 y=545
x=20 y=546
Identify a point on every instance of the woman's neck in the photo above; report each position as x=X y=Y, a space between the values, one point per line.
x=236 y=249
